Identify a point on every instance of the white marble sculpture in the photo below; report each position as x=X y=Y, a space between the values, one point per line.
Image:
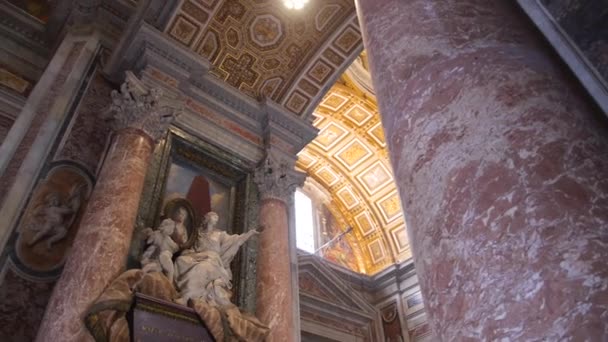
x=203 y=272
x=164 y=242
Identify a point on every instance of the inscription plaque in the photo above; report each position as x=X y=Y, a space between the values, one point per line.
x=154 y=320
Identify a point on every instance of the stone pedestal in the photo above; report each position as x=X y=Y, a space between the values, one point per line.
x=274 y=301
x=101 y=245
x=501 y=162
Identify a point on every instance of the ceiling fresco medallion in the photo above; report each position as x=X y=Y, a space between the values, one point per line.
x=353 y=154
x=334 y=102
x=266 y=31
x=348 y=197
x=330 y=136
x=184 y=30
x=365 y=223
x=401 y=239
x=358 y=115
x=376 y=250
x=390 y=207
x=306 y=159
x=328 y=176
x=374 y=178
x=377 y=133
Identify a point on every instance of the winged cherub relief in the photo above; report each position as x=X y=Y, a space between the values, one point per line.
x=54 y=217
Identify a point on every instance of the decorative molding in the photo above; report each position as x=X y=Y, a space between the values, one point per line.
x=326 y=66
x=188 y=71
x=140 y=107
x=24 y=28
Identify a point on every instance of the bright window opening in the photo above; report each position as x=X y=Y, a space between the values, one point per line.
x=305 y=229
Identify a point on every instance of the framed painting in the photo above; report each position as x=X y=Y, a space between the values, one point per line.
x=185 y=169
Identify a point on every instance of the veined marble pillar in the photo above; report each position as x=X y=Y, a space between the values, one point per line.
x=502 y=165
x=274 y=302
x=101 y=246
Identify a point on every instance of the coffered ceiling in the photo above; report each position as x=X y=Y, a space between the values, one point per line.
x=350 y=159
x=264 y=49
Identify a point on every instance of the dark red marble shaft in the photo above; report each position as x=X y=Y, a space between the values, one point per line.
x=502 y=165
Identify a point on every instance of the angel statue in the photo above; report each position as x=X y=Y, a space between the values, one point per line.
x=167 y=239
x=203 y=272
x=55 y=217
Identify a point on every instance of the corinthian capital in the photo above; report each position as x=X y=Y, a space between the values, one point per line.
x=140 y=107
x=277 y=179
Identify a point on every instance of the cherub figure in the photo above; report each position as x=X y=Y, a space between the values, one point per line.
x=56 y=217
x=164 y=242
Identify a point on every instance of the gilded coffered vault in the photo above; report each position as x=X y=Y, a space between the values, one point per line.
x=266 y=50
x=350 y=159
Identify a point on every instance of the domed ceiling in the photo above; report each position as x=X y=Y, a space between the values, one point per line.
x=265 y=49
x=349 y=158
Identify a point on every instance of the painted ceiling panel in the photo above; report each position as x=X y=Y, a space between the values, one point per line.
x=349 y=158
x=267 y=50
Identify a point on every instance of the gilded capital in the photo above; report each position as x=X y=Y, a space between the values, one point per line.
x=140 y=107
x=276 y=179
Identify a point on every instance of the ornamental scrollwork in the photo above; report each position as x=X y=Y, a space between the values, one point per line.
x=138 y=106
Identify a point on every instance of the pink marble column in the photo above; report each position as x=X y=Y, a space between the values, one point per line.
x=274 y=301
x=274 y=293
x=101 y=245
x=502 y=165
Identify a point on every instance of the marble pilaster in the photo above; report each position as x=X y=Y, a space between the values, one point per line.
x=276 y=182
x=101 y=245
x=500 y=160
x=28 y=143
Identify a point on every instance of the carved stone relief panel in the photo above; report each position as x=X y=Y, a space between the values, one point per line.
x=50 y=220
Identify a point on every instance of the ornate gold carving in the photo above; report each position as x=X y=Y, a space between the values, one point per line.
x=184 y=30
x=360 y=182
x=282 y=46
x=353 y=154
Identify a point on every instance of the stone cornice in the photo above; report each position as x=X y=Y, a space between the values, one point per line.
x=324 y=273
x=149 y=47
x=390 y=277
x=23 y=28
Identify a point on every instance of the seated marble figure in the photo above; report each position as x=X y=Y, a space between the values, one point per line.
x=203 y=272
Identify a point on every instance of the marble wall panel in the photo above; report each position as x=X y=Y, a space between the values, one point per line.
x=90 y=129
x=9 y=175
x=29 y=271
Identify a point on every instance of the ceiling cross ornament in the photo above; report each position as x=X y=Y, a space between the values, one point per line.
x=291 y=55
x=240 y=70
x=140 y=107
